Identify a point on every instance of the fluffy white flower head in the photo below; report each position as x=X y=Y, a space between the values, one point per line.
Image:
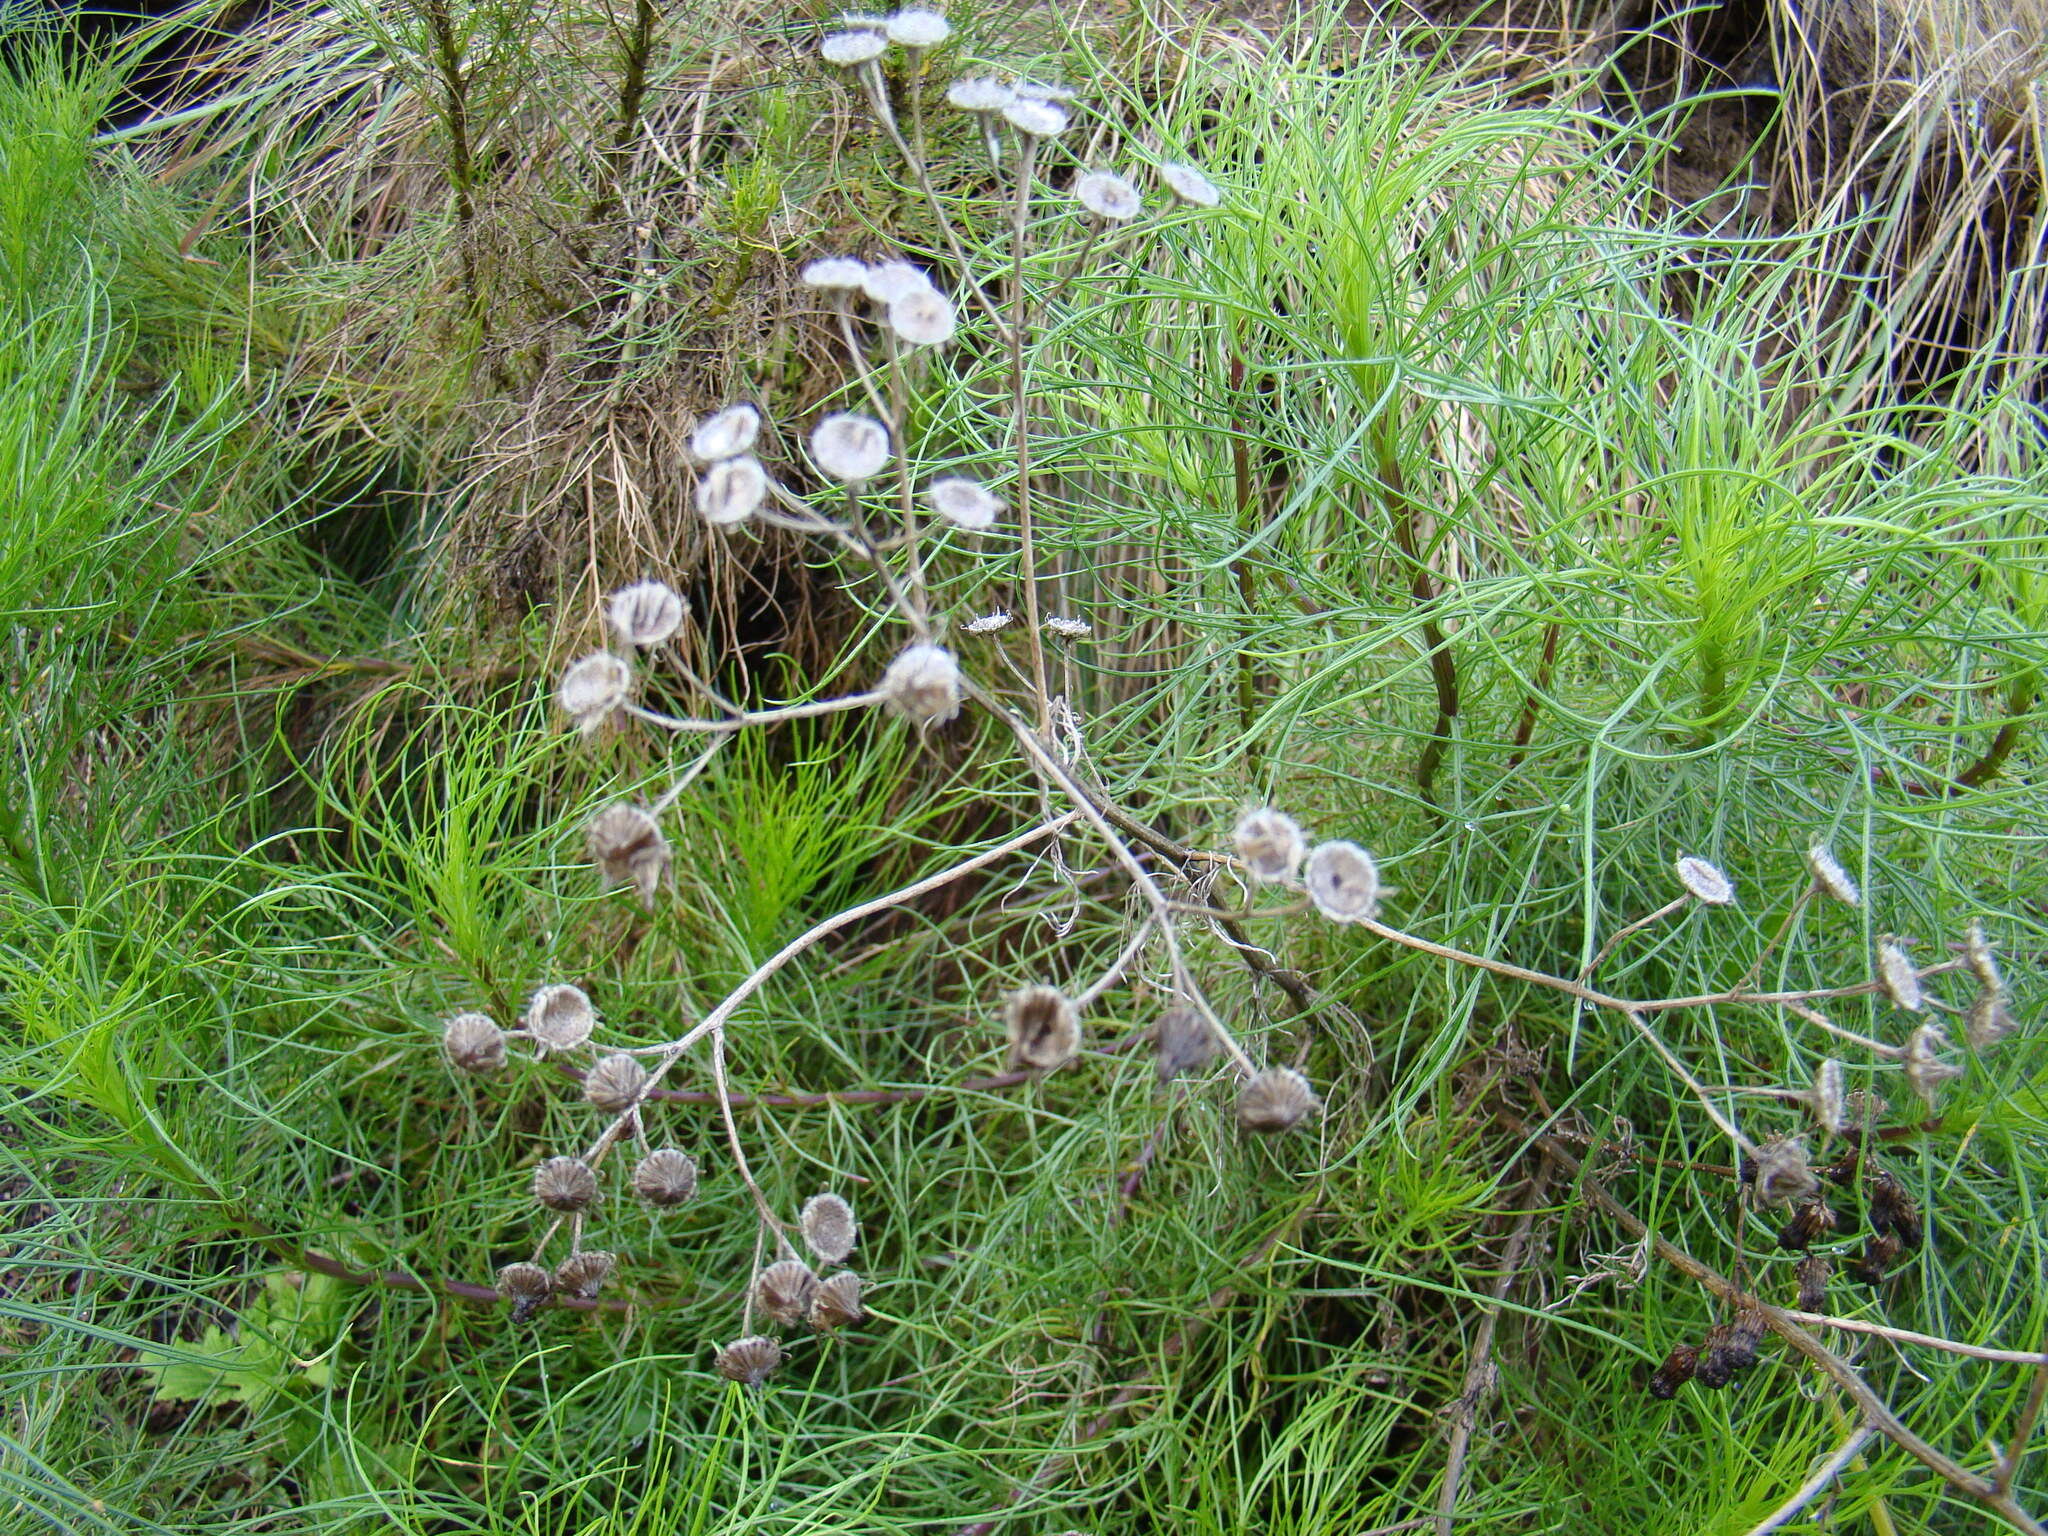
x=725 y=434
x=962 y=502
x=1036 y=119
x=923 y=317
x=592 y=688
x=923 y=684
x=1900 y=980
x=1270 y=843
x=850 y=48
x=850 y=448
x=835 y=272
x=1829 y=875
x=988 y=623
x=917 y=28
x=1045 y=90
x=1705 y=882
x=646 y=613
x=888 y=281
x=732 y=490
x=1064 y=628
x=1343 y=882
x=1190 y=185
x=1108 y=196
x=979 y=93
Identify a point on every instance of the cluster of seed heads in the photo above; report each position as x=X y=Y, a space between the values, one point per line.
x=792 y=1294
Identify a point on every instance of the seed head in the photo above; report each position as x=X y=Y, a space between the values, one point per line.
x=725 y=434
x=1989 y=1021
x=665 y=1177
x=1812 y=1272
x=1060 y=627
x=1675 y=1372
x=923 y=317
x=1190 y=185
x=1183 y=1042
x=922 y=685
x=749 y=1361
x=473 y=1043
x=1705 y=882
x=918 y=29
x=1343 y=882
x=1901 y=981
x=1043 y=1028
x=583 y=1275
x=1810 y=1219
x=979 y=94
x=849 y=448
x=646 y=613
x=1828 y=1098
x=1108 y=196
x=527 y=1287
x=1270 y=843
x=559 y=1018
x=1879 y=1249
x=1829 y=875
x=1926 y=1071
x=987 y=623
x=564 y=1184
x=847 y=49
x=962 y=502
x=1983 y=958
x=1046 y=90
x=836 y=1303
x=627 y=847
x=732 y=490
x=1278 y=1099
x=888 y=281
x=592 y=688
x=615 y=1084
x=784 y=1291
x=829 y=1228
x=1036 y=119
x=1892 y=1209
x=1784 y=1172
x=834 y=273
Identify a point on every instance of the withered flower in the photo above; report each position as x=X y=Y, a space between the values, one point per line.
x=1270 y=843
x=583 y=1275
x=1276 y=1100
x=665 y=1177
x=1901 y=982
x=615 y=1084
x=559 y=1018
x=1810 y=1219
x=1043 y=1028
x=1812 y=1273
x=1892 y=1210
x=1675 y=1372
x=783 y=1290
x=564 y=1184
x=1183 y=1041
x=749 y=1361
x=1705 y=882
x=473 y=1042
x=1879 y=1249
x=627 y=847
x=837 y=1302
x=829 y=1229
x=1784 y=1173
x=527 y=1287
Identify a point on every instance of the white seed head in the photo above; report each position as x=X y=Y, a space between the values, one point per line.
x=1829 y=1098
x=1060 y=627
x=850 y=448
x=987 y=623
x=979 y=93
x=829 y=1229
x=887 y=281
x=923 y=317
x=835 y=272
x=1989 y=1020
x=1270 y=843
x=1705 y=882
x=1276 y=1100
x=847 y=49
x=1190 y=185
x=527 y=1287
x=473 y=1043
x=964 y=503
x=1043 y=1028
x=784 y=1291
x=615 y=1084
x=665 y=1177
x=1343 y=882
x=1900 y=980
x=1926 y=1070
x=917 y=28
x=627 y=847
x=592 y=688
x=564 y=1184
x=749 y=1361
x=1784 y=1172
x=725 y=434
x=1829 y=875
x=1182 y=1042
x=1036 y=119
x=1046 y=90
x=922 y=684
x=1982 y=957
x=644 y=614
x=582 y=1275
x=1108 y=196
x=732 y=490
x=559 y=1018
x=837 y=1303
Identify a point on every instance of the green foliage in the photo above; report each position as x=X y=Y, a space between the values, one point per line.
x=281 y=1338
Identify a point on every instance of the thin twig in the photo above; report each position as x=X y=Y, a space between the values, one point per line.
x=1815 y=1485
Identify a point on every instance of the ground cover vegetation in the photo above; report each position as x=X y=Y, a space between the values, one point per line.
x=1098 y=771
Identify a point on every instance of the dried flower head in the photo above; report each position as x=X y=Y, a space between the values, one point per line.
x=1270 y=843
x=1828 y=1097
x=1982 y=957
x=1812 y=1273
x=1043 y=1028
x=583 y=1275
x=749 y=1361
x=665 y=1177
x=1047 y=90
x=923 y=317
x=829 y=1228
x=1830 y=877
x=979 y=94
x=987 y=623
x=918 y=29
x=559 y=1018
x=923 y=684
x=1866 y=1107
x=1989 y=1020
x=1060 y=627
x=732 y=490
x=1675 y=1372
x=836 y=1303
x=1034 y=118
x=1810 y=1219
x=592 y=688
x=887 y=281
x=1900 y=980
x=848 y=49
x=564 y=1184
x=962 y=502
x=850 y=448
x=473 y=1043
x=784 y=1291
x=1190 y=185
x=527 y=1287
x=1278 y=1099
x=1108 y=196
x=646 y=613
x=834 y=273
x=1891 y=1208
x=1182 y=1042
x=1926 y=1070
x=1784 y=1172
x=1879 y=1249
x=725 y=434
x=1343 y=882
x=1728 y=1348
x=615 y=1084
x=627 y=847
x=1705 y=882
